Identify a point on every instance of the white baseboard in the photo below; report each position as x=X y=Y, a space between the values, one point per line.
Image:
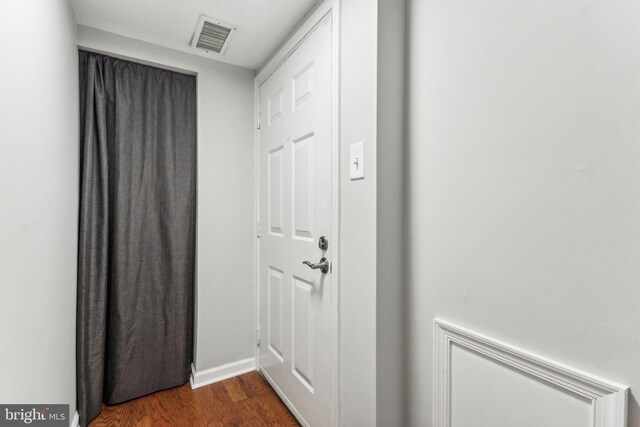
x=223 y=372
x=75 y=421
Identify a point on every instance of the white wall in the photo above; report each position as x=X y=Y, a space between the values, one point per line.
x=38 y=202
x=357 y=287
x=225 y=248
x=523 y=182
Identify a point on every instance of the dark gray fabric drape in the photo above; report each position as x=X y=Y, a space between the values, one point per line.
x=137 y=231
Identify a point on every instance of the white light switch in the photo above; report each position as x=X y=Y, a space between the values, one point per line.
x=357 y=161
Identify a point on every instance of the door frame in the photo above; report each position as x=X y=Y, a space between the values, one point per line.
x=308 y=24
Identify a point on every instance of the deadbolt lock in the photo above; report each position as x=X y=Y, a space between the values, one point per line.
x=323 y=243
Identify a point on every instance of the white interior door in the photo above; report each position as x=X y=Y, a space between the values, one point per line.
x=295 y=301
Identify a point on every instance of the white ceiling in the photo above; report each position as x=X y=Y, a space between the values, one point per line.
x=262 y=24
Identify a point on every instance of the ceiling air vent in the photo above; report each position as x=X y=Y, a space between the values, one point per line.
x=212 y=35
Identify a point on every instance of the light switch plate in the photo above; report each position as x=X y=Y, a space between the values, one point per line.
x=357 y=161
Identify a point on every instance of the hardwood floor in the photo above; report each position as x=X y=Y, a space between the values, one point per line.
x=246 y=400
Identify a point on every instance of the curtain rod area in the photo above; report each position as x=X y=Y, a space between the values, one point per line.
x=139 y=61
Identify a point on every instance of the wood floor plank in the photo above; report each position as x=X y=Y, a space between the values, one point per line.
x=243 y=401
x=254 y=385
x=189 y=405
x=214 y=403
x=275 y=410
x=234 y=389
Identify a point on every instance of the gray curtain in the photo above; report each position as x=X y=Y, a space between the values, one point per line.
x=137 y=231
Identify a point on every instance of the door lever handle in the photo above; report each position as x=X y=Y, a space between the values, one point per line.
x=323 y=265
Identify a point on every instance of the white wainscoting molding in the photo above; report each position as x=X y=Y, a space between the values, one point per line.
x=608 y=399
x=223 y=372
x=75 y=421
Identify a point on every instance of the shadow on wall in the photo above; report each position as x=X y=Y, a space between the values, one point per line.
x=633 y=414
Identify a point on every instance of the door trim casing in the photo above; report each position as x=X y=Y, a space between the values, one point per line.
x=323 y=10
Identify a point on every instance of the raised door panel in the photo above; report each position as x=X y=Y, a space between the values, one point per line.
x=274 y=325
x=302 y=193
x=302 y=335
x=275 y=191
x=302 y=84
